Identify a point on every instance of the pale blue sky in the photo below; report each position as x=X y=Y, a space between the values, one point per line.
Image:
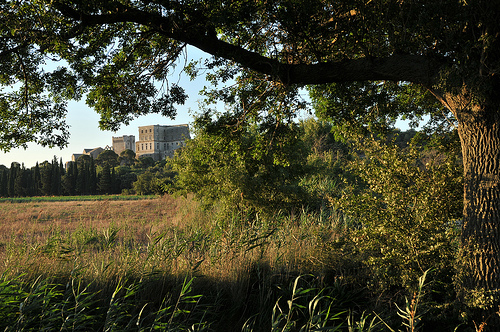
x=85 y=133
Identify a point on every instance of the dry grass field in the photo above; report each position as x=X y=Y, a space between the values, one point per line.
x=158 y=243
x=86 y=236
x=108 y=240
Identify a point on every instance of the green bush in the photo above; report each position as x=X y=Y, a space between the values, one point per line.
x=407 y=211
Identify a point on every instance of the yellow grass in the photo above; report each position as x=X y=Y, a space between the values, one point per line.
x=107 y=240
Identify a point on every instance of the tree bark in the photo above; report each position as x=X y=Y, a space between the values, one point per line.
x=479 y=260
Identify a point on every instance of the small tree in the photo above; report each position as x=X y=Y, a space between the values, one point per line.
x=127 y=158
x=146 y=184
x=246 y=166
x=107 y=157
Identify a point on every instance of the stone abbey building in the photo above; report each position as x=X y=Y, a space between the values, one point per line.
x=156 y=141
x=122 y=143
x=160 y=142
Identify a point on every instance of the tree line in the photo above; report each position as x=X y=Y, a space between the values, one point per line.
x=107 y=174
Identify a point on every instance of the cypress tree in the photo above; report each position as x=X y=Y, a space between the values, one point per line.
x=46 y=179
x=14 y=167
x=19 y=189
x=115 y=182
x=68 y=180
x=56 y=178
x=81 y=182
x=62 y=170
x=92 y=176
x=105 y=182
x=3 y=183
x=74 y=177
x=37 y=180
x=28 y=183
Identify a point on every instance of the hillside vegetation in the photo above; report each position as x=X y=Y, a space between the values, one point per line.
x=305 y=234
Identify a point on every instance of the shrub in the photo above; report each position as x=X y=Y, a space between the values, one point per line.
x=407 y=211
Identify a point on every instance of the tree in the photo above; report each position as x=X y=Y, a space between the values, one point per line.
x=56 y=177
x=144 y=162
x=107 y=157
x=125 y=177
x=407 y=207
x=37 y=180
x=4 y=182
x=127 y=158
x=115 y=52
x=19 y=182
x=46 y=171
x=250 y=167
x=84 y=177
x=92 y=183
x=14 y=169
x=145 y=184
x=69 y=179
x=105 y=184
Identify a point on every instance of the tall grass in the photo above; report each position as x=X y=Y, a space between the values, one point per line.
x=167 y=264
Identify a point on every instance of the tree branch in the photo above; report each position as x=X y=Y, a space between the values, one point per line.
x=412 y=68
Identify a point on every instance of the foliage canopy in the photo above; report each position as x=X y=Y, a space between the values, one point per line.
x=118 y=54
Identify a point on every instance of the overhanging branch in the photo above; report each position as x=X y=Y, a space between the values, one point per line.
x=411 y=68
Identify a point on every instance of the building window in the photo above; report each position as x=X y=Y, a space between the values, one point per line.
x=149 y=129
x=142 y=146
x=150 y=146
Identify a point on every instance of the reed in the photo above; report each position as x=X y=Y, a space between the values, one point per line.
x=168 y=264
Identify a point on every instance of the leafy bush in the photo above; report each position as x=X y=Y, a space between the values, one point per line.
x=407 y=211
x=153 y=180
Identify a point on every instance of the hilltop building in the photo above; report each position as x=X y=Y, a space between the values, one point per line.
x=91 y=152
x=122 y=143
x=160 y=142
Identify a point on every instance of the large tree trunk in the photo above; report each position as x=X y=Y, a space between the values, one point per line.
x=479 y=261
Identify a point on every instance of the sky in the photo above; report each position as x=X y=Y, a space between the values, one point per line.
x=84 y=124
x=85 y=134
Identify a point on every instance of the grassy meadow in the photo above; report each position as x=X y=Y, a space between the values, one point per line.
x=167 y=264
x=142 y=253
